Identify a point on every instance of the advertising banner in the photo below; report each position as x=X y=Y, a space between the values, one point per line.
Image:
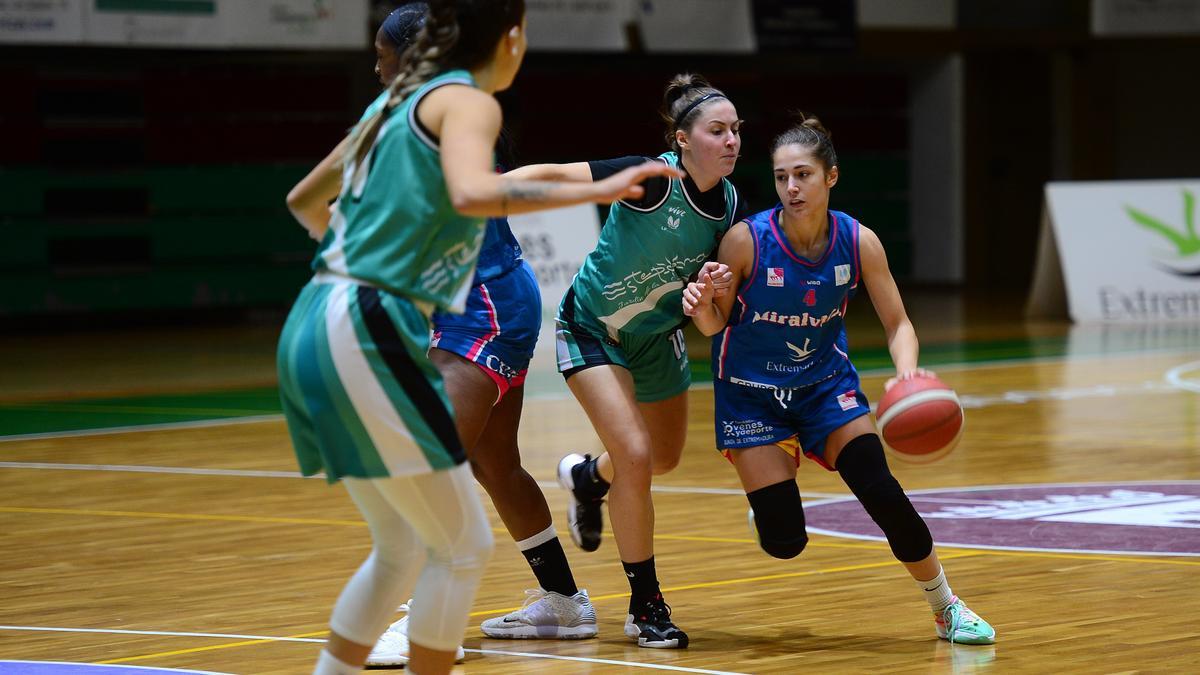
x=41 y=21
x=195 y=24
x=578 y=25
x=154 y=23
x=1122 y=18
x=696 y=26
x=555 y=244
x=298 y=24
x=1128 y=251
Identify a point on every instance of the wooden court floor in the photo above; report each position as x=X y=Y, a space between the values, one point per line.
x=1073 y=506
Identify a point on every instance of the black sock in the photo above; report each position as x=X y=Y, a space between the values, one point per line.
x=643 y=582
x=549 y=565
x=588 y=482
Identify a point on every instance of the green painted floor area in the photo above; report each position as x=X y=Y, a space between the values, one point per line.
x=105 y=413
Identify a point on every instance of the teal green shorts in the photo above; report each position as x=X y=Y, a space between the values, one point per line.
x=361 y=397
x=658 y=362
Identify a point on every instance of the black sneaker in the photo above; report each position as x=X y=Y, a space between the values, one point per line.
x=652 y=627
x=585 y=518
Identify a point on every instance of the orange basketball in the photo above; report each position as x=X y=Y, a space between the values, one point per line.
x=920 y=419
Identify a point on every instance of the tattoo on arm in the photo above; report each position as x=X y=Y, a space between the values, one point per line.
x=524 y=190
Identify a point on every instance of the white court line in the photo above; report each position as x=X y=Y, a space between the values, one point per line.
x=609 y=662
x=494 y=652
x=135 y=428
x=245 y=473
x=1174 y=377
x=968 y=401
x=89 y=666
x=169 y=633
x=916 y=495
x=195 y=471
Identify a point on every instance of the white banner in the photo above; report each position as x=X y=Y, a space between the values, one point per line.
x=555 y=243
x=578 y=25
x=256 y=24
x=41 y=21
x=1130 y=251
x=154 y=23
x=300 y=24
x=1145 y=17
x=700 y=26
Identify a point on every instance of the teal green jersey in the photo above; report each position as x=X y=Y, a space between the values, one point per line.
x=393 y=225
x=633 y=281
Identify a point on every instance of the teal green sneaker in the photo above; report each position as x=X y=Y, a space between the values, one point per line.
x=960 y=625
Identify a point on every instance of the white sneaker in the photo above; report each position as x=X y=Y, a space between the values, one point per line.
x=391 y=651
x=546 y=615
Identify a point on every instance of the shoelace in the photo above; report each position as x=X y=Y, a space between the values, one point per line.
x=956 y=614
x=532 y=595
x=658 y=610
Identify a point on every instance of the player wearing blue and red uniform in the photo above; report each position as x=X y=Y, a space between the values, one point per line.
x=784 y=383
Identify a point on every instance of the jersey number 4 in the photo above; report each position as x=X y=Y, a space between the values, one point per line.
x=810 y=297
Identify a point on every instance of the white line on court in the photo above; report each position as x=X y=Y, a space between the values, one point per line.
x=1008 y=398
x=1174 y=377
x=244 y=473
x=195 y=471
x=123 y=668
x=494 y=652
x=137 y=428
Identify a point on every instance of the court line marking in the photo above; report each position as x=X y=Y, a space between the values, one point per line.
x=264 y=639
x=168 y=633
x=1174 y=377
x=558 y=396
x=917 y=496
x=137 y=428
x=1019 y=552
x=104 y=665
x=251 y=473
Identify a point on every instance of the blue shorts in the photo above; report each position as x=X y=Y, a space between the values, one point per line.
x=498 y=329
x=798 y=420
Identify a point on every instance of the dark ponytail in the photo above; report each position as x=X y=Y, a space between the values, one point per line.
x=685 y=96
x=809 y=133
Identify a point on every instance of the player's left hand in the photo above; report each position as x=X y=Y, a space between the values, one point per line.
x=722 y=277
x=906 y=375
x=698 y=294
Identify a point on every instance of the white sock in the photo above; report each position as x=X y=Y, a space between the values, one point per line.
x=328 y=664
x=937 y=591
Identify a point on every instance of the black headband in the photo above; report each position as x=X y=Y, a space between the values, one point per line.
x=692 y=106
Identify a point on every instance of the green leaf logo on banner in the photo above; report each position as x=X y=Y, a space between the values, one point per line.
x=1186 y=259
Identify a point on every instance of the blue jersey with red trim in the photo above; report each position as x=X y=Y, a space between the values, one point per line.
x=786 y=327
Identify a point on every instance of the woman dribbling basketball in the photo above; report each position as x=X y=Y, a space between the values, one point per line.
x=784 y=384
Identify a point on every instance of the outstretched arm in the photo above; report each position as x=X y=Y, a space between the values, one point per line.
x=468 y=121
x=574 y=172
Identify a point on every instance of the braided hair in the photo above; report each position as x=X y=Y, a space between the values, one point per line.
x=455 y=34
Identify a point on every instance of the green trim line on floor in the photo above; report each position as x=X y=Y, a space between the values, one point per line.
x=48 y=417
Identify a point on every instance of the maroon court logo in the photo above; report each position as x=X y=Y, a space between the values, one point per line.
x=1148 y=518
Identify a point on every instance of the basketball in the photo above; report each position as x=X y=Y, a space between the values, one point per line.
x=920 y=419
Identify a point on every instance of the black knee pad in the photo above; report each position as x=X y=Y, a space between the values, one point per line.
x=865 y=471
x=779 y=519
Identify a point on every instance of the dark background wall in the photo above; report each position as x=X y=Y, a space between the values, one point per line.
x=154 y=179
